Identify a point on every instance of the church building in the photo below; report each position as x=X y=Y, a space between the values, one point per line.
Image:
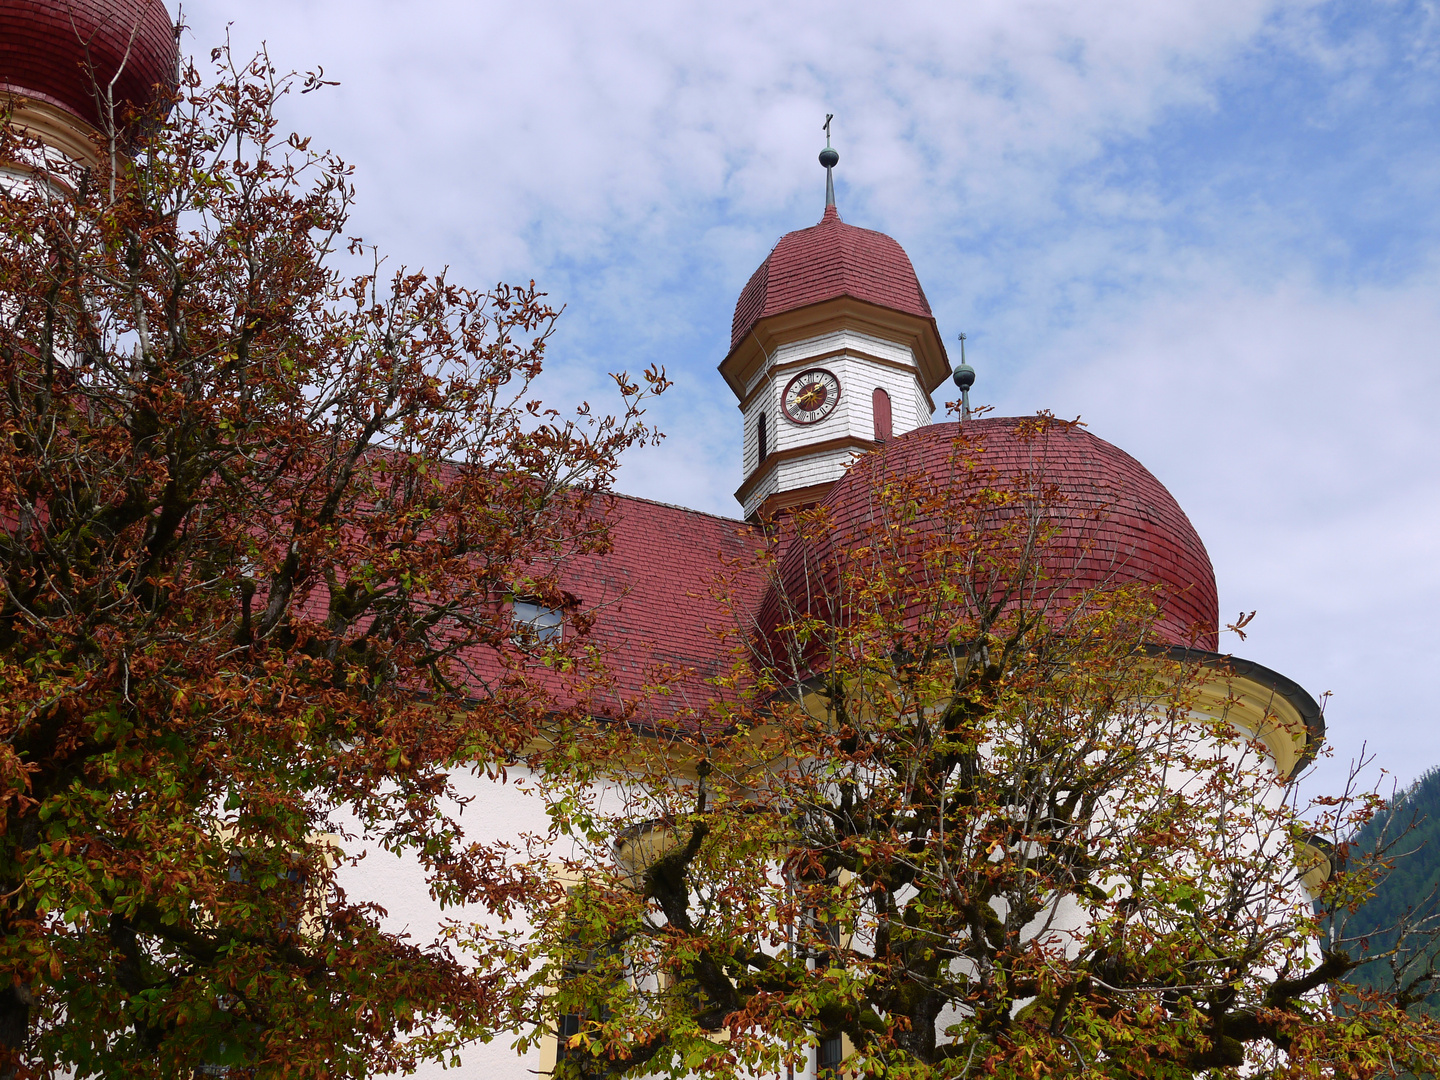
x=834 y=352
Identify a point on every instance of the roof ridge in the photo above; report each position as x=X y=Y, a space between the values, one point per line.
x=676 y=506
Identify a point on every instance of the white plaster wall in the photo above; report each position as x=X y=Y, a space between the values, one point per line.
x=826 y=466
x=507 y=811
x=761 y=404
x=498 y=811
x=43 y=157
x=1258 y=829
x=824 y=343
x=852 y=416
x=923 y=415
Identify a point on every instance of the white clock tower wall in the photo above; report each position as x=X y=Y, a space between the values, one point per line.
x=862 y=364
x=920 y=402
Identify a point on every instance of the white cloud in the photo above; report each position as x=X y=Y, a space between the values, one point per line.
x=523 y=131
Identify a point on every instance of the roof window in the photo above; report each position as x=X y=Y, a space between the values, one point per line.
x=535 y=622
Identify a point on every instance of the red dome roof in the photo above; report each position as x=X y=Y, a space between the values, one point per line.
x=1117 y=523
x=47 y=48
x=823 y=262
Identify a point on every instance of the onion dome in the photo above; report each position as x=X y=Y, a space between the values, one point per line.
x=824 y=262
x=1117 y=525
x=57 y=51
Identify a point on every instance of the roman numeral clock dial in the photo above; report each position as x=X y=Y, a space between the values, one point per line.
x=810 y=396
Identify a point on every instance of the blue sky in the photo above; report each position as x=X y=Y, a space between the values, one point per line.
x=1208 y=227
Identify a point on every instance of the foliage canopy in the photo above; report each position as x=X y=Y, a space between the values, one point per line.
x=259 y=518
x=956 y=818
x=1397 y=923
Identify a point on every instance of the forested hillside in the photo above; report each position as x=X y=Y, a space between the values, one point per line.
x=1411 y=892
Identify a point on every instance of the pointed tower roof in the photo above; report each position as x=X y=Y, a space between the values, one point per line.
x=829 y=277
x=826 y=261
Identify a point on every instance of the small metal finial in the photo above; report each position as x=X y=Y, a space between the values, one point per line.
x=829 y=158
x=964 y=378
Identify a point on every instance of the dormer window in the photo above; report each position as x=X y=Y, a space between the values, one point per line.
x=535 y=622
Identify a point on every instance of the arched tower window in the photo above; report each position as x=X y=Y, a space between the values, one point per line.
x=762 y=441
x=880 y=406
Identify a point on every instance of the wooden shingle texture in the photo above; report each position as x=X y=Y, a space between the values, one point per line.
x=824 y=262
x=1116 y=523
x=49 y=48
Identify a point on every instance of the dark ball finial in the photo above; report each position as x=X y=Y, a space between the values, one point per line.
x=829 y=158
x=964 y=376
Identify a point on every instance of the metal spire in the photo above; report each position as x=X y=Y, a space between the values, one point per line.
x=829 y=158
x=964 y=378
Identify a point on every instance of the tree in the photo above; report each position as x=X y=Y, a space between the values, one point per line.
x=954 y=815
x=260 y=523
x=1395 y=926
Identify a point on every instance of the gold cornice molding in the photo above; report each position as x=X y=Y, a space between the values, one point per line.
x=920 y=336
x=831 y=354
x=1316 y=862
x=844 y=442
x=52 y=126
x=1253 y=707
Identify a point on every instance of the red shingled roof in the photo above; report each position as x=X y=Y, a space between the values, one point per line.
x=46 y=45
x=658 y=598
x=659 y=601
x=826 y=261
x=656 y=595
x=1118 y=525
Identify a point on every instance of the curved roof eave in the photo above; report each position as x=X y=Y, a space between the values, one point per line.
x=1295 y=695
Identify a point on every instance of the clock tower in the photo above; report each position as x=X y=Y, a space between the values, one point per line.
x=833 y=350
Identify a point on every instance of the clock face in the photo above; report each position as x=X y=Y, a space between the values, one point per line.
x=810 y=396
